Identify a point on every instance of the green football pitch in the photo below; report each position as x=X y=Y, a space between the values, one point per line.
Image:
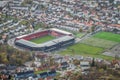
x=42 y=39
x=108 y=36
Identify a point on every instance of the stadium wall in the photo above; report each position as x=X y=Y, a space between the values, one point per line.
x=63 y=40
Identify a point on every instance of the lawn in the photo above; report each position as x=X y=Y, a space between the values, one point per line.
x=108 y=36
x=97 y=42
x=85 y=50
x=42 y=39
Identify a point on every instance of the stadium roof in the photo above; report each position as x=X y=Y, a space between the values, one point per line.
x=25 y=42
x=64 y=38
x=61 y=31
x=22 y=36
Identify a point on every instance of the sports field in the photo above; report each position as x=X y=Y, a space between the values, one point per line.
x=94 y=46
x=108 y=36
x=85 y=50
x=43 y=39
x=97 y=42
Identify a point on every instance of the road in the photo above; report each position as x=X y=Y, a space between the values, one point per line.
x=83 y=38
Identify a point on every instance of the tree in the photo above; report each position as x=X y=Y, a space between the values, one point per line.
x=0 y=37
x=116 y=57
x=28 y=1
x=80 y=30
x=93 y=63
x=5 y=41
x=92 y=28
x=0 y=59
x=8 y=57
x=111 y=1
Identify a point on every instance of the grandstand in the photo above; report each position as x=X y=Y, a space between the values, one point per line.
x=62 y=40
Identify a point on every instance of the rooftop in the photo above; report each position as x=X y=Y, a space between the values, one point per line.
x=3 y=3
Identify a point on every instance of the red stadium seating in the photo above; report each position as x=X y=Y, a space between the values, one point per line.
x=35 y=35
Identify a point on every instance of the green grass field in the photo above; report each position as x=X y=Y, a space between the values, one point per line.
x=108 y=36
x=43 y=39
x=97 y=42
x=94 y=46
x=85 y=50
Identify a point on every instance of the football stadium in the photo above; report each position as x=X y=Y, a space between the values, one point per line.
x=45 y=40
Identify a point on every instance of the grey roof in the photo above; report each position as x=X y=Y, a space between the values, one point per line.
x=20 y=8
x=64 y=38
x=25 y=42
x=3 y=3
x=84 y=63
x=61 y=31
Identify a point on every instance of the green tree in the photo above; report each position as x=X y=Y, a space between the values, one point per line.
x=0 y=59
x=80 y=30
x=0 y=37
x=28 y=1
x=111 y=1
x=93 y=63
x=92 y=28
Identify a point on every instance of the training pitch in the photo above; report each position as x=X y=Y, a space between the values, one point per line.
x=108 y=36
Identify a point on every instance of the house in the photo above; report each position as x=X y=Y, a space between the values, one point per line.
x=71 y=67
x=2 y=66
x=3 y=4
x=20 y=8
x=24 y=74
x=48 y=75
x=17 y=2
x=64 y=65
x=84 y=65
x=34 y=77
x=1 y=31
x=43 y=75
x=11 y=68
x=52 y=73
